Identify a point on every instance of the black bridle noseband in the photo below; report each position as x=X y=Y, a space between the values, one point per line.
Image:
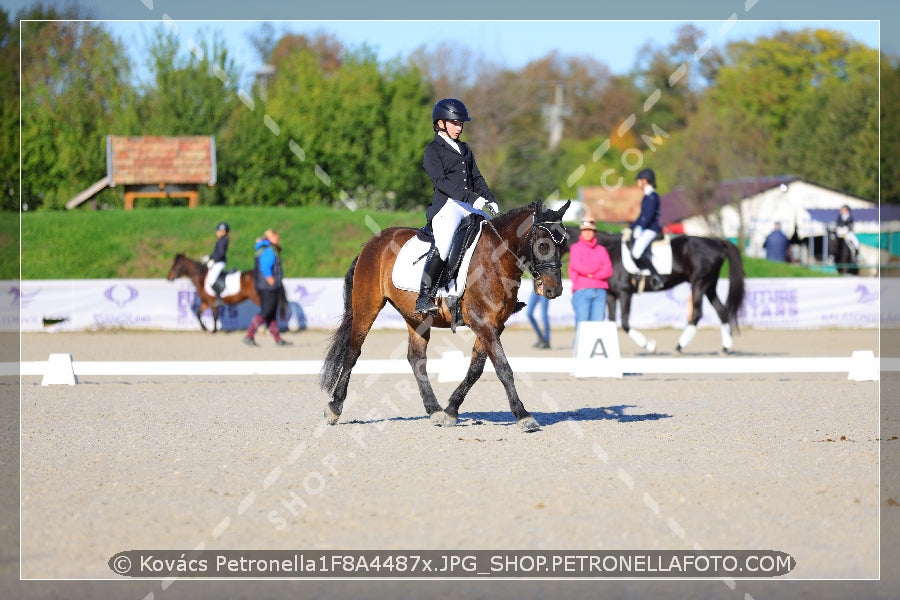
x=535 y=267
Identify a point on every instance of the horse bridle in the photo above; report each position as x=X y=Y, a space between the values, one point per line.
x=535 y=267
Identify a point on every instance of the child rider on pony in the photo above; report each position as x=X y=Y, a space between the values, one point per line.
x=459 y=189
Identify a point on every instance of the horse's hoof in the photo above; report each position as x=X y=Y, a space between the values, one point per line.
x=442 y=419
x=330 y=417
x=651 y=346
x=726 y=350
x=529 y=424
x=678 y=348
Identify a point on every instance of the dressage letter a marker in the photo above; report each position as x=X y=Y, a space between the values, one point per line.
x=602 y=352
x=597 y=350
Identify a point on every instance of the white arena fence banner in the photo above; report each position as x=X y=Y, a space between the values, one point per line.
x=157 y=304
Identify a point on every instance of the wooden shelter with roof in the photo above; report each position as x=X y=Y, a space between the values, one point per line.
x=155 y=167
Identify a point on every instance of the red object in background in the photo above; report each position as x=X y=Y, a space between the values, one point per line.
x=674 y=228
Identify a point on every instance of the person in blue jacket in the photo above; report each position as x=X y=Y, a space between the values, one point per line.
x=776 y=244
x=646 y=227
x=459 y=189
x=268 y=282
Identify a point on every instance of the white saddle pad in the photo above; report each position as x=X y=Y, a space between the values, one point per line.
x=661 y=253
x=232 y=284
x=410 y=263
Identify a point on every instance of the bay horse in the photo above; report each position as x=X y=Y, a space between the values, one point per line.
x=696 y=260
x=528 y=237
x=194 y=270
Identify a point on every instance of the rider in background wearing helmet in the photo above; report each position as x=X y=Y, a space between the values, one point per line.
x=216 y=262
x=459 y=189
x=646 y=227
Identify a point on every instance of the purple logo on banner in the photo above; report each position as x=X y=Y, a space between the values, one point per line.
x=186 y=300
x=866 y=296
x=18 y=296
x=120 y=298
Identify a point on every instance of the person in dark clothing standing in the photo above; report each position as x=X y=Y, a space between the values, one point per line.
x=216 y=262
x=268 y=281
x=459 y=189
x=776 y=244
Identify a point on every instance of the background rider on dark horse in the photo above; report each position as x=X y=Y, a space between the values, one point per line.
x=646 y=227
x=459 y=190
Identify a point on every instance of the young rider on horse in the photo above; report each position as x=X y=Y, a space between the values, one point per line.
x=646 y=227
x=216 y=262
x=459 y=189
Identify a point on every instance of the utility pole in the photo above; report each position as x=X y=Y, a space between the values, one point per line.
x=554 y=114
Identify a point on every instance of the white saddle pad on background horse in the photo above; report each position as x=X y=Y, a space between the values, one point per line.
x=232 y=284
x=410 y=264
x=661 y=252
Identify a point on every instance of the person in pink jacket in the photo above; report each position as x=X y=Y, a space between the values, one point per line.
x=589 y=269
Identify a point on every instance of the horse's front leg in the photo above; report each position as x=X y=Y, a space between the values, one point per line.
x=687 y=336
x=215 y=316
x=450 y=416
x=200 y=312
x=416 y=355
x=636 y=336
x=489 y=340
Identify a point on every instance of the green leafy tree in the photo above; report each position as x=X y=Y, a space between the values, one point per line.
x=75 y=80
x=335 y=127
x=890 y=130
x=9 y=114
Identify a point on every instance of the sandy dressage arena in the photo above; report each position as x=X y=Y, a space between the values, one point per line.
x=786 y=462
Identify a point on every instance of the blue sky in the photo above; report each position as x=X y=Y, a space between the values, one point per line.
x=510 y=43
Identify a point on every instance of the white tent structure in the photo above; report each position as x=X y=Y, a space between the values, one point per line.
x=787 y=203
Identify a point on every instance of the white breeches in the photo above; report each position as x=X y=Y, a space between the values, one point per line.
x=641 y=242
x=445 y=223
x=212 y=275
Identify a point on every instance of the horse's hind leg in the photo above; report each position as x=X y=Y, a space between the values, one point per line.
x=722 y=311
x=416 y=355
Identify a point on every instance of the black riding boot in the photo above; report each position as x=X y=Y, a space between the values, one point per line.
x=434 y=264
x=644 y=262
x=218 y=287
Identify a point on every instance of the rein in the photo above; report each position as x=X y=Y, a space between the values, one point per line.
x=534 y=267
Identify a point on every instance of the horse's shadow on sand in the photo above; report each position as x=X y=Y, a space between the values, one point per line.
x=500 y=417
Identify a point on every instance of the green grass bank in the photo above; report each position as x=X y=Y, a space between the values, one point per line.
x=316 y=241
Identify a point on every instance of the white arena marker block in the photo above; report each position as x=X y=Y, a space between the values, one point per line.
x=453 y=366
x=59 y=370
x=863 y=366
x=597 y=350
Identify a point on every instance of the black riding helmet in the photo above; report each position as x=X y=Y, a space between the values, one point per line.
x=449 y=109
x=647 y=174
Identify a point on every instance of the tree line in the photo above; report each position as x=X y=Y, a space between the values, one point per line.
x=328 y=124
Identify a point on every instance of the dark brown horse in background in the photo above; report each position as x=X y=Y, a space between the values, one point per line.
x=183 y=266
x=526 y=238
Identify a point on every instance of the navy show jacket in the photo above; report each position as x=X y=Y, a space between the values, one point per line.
x=453 y=174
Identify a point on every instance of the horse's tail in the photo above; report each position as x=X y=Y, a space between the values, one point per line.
x=735 y=283
x=340 y=339
x=283 y=305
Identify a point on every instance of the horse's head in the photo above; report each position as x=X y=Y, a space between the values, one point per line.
x=547 y=243
x=177 y=268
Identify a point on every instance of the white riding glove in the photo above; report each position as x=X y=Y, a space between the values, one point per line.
x=479 y=203
x=493 y=208
x=637 y=232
